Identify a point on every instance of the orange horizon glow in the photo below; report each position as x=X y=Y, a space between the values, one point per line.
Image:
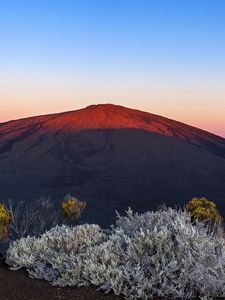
x=210 y=119
x=200 y=104
x=162 y=57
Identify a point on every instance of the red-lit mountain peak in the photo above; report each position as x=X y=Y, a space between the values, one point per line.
x=109 y=116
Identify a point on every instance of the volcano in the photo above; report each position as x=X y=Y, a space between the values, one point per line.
x=111 y=157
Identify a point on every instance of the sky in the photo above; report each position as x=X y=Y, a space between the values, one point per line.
x=162 y=56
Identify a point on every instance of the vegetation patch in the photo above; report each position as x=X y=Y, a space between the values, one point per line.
x=163 y=253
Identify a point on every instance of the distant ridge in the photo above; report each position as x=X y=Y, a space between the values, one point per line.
x=110 y=155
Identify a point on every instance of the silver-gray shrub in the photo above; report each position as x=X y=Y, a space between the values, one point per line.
x=47 y=256
x=144 y=255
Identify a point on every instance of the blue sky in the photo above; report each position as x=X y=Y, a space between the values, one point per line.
x=120 y=33
x=164 y=56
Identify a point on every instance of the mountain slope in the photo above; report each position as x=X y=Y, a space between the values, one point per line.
x=112 y=157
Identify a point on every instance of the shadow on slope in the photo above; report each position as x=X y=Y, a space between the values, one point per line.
x=112 y=169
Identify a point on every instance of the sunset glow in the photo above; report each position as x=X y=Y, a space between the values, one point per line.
x=164 y=57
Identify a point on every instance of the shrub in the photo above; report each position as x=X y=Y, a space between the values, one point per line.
x=32 y=218
x=22 y=253
x=203 y=209
x=48 y=252
x=72 y=208
x=19 y=219
x=158 y=253
x=5 y=219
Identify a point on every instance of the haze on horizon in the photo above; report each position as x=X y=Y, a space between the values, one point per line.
x=164 y=57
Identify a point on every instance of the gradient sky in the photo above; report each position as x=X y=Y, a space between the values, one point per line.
x=162 y=56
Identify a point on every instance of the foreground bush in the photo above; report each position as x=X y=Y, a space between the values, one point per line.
x=153 y=254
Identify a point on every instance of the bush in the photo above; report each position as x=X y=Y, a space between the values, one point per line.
x=5 y=219
x=19 y=219
x=41 y=254
x=32 y=218
x=144 y=255
x=204 y=210
x=72 y=208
